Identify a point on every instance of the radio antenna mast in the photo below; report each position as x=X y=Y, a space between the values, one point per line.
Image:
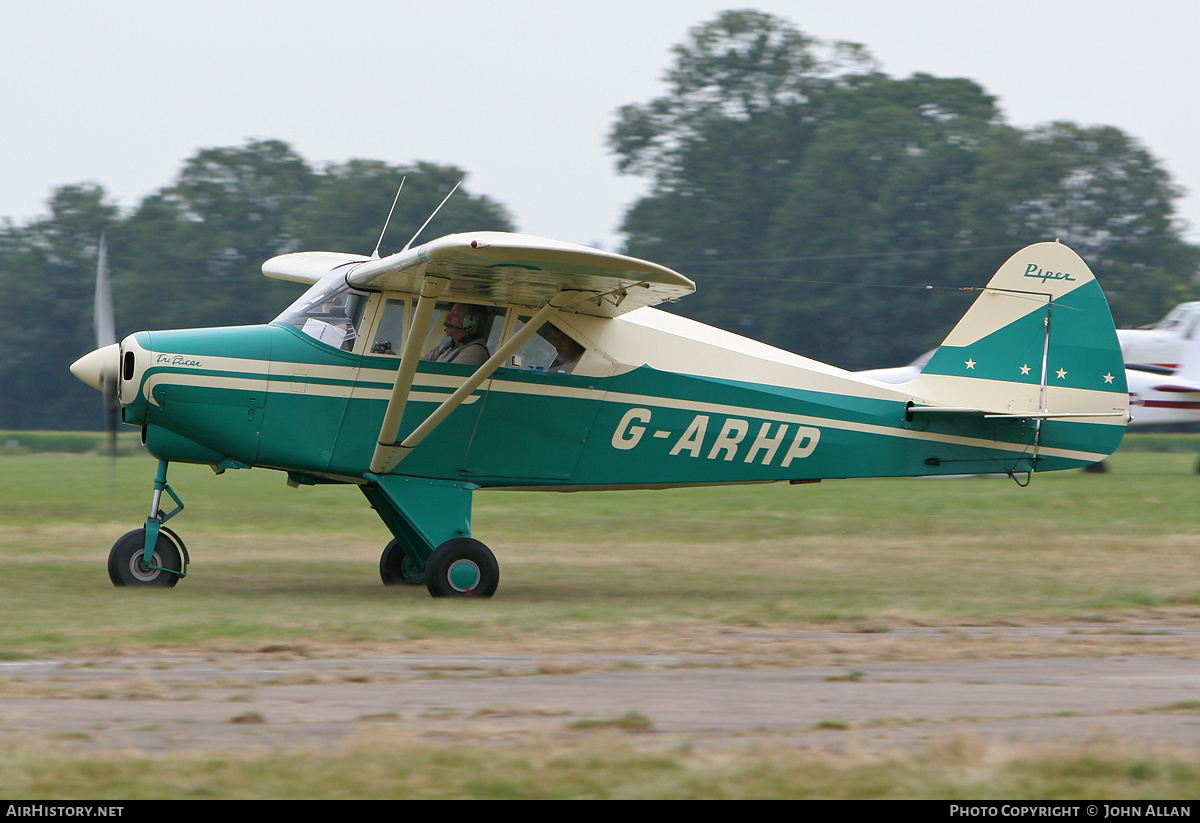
x=375 y=254
x=435 y=211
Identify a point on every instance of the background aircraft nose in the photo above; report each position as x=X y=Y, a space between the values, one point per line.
x=98 y=366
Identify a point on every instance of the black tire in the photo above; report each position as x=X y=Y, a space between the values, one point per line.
x=462 y=567
x=396 y=568
x=126 y=555
x=1096 y=468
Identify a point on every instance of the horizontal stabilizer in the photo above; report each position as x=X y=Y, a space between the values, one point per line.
x=971 y=412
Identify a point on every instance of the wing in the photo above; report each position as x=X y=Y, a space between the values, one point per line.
x=1179 y=386
x=309 y=266
x=502 y=268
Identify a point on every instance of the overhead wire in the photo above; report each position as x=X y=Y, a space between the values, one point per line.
x=818 y=258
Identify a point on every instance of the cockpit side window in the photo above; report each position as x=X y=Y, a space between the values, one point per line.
x=462 y=333
x=389 y=332
x=330 y=312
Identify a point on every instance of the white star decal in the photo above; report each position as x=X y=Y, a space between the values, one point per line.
x=1025 y=369
x=1062 y=374
x=1108 y=378
x=970 y=364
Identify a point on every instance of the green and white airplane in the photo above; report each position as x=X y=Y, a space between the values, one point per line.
x=501 y=361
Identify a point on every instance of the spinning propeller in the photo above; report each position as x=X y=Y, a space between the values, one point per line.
x=99 y=368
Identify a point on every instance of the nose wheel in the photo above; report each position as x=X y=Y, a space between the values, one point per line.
x=128 y=566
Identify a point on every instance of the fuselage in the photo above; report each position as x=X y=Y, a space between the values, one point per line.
x=1163 y=397
x=1164 y=343
x=657 y=400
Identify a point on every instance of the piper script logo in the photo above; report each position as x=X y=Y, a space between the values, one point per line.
x=1034 y=270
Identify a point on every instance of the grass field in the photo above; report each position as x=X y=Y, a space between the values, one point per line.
x=623 y=571
x=271 y=563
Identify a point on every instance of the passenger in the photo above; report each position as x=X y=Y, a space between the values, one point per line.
x=568 y=350
x=465 y=326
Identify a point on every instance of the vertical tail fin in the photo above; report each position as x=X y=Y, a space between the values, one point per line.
x=1039 y=343
x=1189 y=362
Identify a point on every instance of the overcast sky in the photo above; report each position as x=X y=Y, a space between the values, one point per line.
x=520 y=93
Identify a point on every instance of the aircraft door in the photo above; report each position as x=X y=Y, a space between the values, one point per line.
x=535 y=415
x=314 y=366
x=447 y=366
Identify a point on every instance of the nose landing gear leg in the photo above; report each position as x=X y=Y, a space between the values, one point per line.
x=152 y=555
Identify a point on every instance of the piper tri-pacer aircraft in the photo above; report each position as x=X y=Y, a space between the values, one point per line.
x=583 y=385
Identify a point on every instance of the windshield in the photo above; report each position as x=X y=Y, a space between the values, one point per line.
x=330 y=312
x=1176 y=316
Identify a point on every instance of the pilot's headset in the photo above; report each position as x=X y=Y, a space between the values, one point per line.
x=474 y=320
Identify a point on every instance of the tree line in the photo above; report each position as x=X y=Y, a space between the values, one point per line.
x=811 y=196
x=190 y=255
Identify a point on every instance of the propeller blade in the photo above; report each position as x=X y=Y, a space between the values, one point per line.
x=104 y=319
x=106 y=334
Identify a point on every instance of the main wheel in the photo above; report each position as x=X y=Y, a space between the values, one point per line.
x=125 y=561
x=462 y=567
x=396 y=568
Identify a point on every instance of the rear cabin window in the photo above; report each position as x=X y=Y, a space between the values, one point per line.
x=549 y=350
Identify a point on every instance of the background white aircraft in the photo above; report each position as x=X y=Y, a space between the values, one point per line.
x=1162 y=343
x=1159 y=395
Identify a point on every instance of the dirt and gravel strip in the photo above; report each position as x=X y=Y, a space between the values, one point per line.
x=1140 y=684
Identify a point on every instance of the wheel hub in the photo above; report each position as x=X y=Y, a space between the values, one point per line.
x=411 y=570
x=142 y=571
x=463 y=575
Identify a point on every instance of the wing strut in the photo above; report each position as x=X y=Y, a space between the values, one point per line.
x=388 y=452
x=431 y=288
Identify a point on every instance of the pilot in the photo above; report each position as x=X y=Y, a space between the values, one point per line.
x=568 y=350
x=464 y=325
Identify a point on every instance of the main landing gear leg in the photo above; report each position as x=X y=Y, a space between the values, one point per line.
x=431 y=523
x=152 y=555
